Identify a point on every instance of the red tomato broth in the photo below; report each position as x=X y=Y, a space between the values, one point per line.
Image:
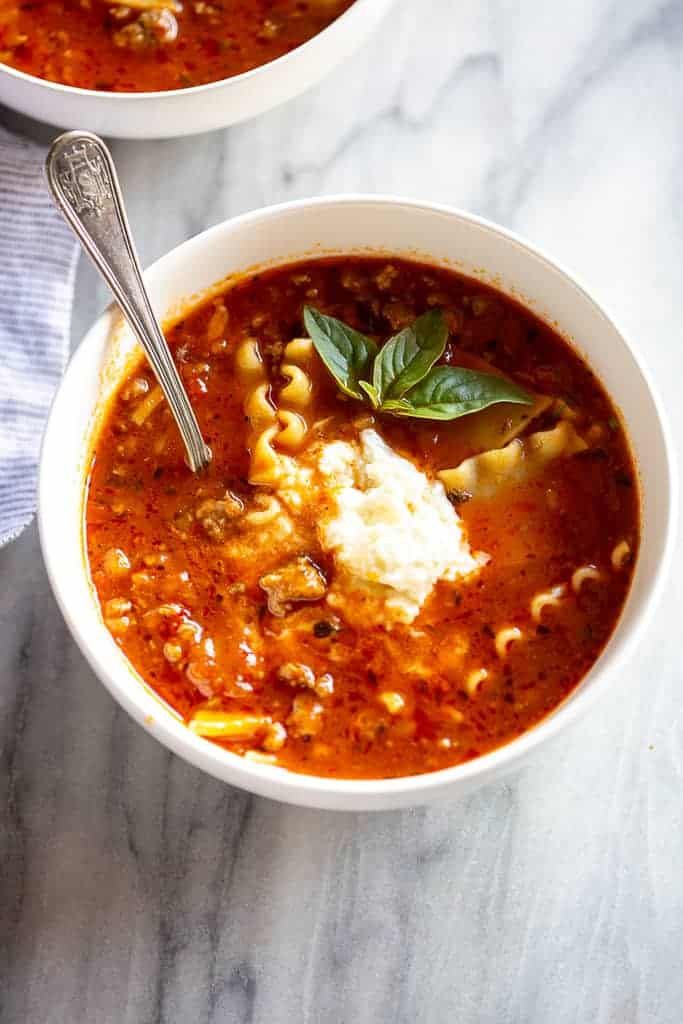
x=108 y=46
x=142 y=500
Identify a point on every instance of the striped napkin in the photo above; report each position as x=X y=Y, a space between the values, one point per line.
x=38 y=257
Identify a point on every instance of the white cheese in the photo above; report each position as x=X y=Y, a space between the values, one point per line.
x=391 y=528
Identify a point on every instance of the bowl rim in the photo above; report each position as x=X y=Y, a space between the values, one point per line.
x=318 y=791
x=244 y=76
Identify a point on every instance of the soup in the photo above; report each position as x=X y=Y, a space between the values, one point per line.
x=415 y=537
x=154 y=45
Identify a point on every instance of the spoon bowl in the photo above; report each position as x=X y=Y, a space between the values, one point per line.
x=85 y=187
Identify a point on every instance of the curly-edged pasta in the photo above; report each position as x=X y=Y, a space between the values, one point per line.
x=259 y=408
x=228 y=726
x=621 y=555
x=496 y=426
x=474 y=679
x=248 y=359
x=238 y=726
x=219 y=319
x=298 y=391
x=144 y=409
x=293 y=429
x=262 y=415
x=584 y=573
x=504 y=637
x=265 y=468
x=522 y=460
x=259 y=757
x=546 y=599
x=268 y=508
x=299 y=350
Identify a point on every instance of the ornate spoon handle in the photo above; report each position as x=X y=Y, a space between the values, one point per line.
x=84 y=185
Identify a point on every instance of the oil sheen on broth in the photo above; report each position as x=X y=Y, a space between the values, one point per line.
x=347 y=593
x=154 y=45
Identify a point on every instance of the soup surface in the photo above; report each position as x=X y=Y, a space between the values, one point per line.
x=348 y=592
x=154 y=45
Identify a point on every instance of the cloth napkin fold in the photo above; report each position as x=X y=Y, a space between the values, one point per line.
x=38 y=256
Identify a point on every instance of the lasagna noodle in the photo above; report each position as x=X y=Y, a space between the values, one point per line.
x=524 y=459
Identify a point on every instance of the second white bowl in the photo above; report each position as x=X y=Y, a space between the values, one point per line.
x=162 y=115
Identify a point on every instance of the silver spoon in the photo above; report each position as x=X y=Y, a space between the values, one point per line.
x=84 y=185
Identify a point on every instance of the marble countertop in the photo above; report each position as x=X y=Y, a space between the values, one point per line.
x=135 y=889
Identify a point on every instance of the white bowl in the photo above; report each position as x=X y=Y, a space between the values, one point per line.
x=341 y=225
x=162 y=115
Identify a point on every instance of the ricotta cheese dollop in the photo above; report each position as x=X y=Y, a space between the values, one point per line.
x=392 y=530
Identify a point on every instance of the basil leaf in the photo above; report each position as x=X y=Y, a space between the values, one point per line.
x=346 y=353
x=371 y=392
x=448 y=392
x=409 y=356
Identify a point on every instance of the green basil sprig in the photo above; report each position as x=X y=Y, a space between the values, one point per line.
x=401 y=378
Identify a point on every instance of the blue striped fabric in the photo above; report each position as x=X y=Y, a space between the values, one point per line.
x=38 y=257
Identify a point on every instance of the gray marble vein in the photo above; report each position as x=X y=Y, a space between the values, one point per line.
x=133 y=888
